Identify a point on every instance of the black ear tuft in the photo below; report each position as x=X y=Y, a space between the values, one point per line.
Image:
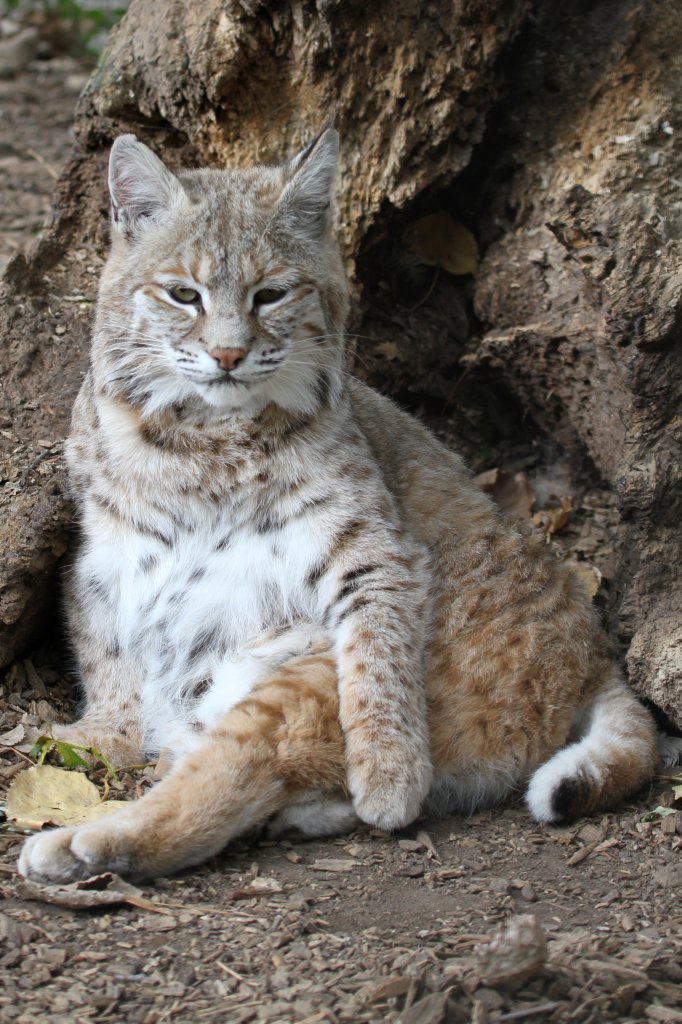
x=306 y=197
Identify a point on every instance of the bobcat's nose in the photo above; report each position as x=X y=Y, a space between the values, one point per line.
x=228 y=358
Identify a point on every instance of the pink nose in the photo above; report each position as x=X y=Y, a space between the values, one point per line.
x=228 y=358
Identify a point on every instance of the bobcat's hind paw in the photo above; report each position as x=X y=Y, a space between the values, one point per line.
x=47 y=857
x=65 y=855
x=388 y=792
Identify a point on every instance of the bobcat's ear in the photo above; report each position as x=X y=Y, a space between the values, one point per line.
x=306 y=197
x=141 y=187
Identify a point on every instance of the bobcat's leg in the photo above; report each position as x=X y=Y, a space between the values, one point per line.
x=281 y=740
x=379 y=618
x=112 y=720
x=112 y=683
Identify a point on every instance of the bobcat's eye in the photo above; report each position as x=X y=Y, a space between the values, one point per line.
x=266 y=296
x=183 y=294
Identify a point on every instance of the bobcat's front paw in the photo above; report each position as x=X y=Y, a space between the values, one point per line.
x=388 y=785
x=71 y=854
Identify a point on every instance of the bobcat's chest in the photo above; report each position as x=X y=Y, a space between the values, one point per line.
x=180 y=609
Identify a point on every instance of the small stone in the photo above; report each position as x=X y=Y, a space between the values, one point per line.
x=410 y=845
x=14 y=933
x=500 y=885
x=515 y=954
x=53 y=956
x=45 y=711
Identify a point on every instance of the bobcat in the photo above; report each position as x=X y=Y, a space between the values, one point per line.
x=285 y=579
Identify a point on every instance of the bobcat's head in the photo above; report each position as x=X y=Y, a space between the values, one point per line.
x=224 y=287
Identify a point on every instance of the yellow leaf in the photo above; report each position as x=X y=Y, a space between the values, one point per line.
x=441 y=241
x=553 y=520
x=44 y=795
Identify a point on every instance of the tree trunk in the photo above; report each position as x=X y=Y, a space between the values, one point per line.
x=582 y=285
x=550 y=134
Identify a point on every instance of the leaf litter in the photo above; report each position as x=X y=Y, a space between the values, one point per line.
x=104 y=890
x=44 y=795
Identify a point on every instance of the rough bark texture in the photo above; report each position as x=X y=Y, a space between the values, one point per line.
x=583 y=284
x=549 y=129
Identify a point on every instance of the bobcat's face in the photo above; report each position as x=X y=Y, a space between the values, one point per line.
x=230 y=291
x=234 y=323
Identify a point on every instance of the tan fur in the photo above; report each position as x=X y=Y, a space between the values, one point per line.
x=431 y=605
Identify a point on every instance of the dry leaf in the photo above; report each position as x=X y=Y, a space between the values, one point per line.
x=293 y=857
x=410 y=871
x=590 y=833
x=553 y=520
x=44 y=795
x=99 y=891
x=260 y=886
x=410 y=845
x=14 y=736
x=511 y=491
x=388 y=988
x=332 y=864
x=445 y=874
x=479 y=1013
x=664 y=1014
x=424 y=838
x=264 y=884
x=582 y=854
x=441 y=241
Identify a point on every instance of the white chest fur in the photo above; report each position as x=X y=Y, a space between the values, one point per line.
x=214 y=589
x=182 y=612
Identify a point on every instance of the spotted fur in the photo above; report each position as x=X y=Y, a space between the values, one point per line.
x=285 y=579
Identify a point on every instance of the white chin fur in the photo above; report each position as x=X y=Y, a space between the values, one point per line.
x=231 y=396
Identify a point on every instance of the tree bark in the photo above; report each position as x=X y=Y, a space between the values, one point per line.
x=548 y=131
x=582 y=285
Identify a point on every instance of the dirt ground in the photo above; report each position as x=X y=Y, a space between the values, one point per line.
x=367 y=927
